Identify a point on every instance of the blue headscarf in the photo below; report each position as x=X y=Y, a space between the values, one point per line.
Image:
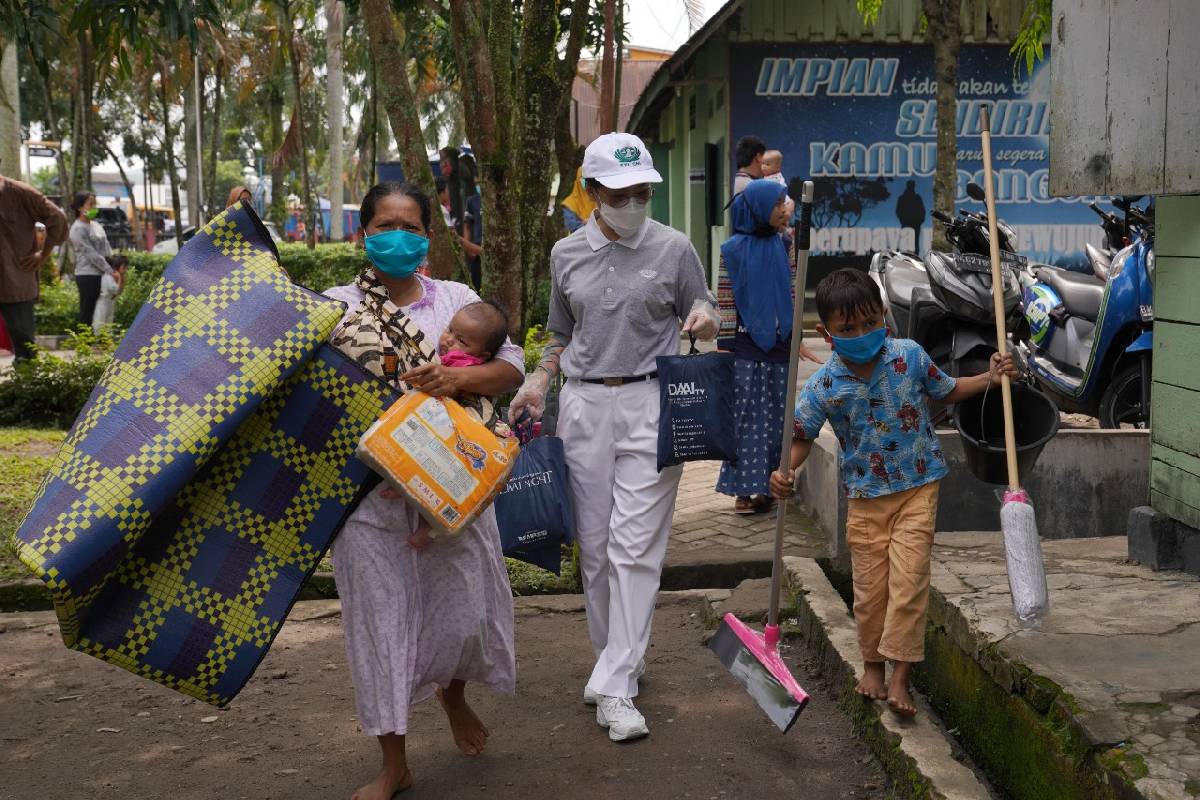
x=757 y=262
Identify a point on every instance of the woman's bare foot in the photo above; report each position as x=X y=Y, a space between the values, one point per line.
x=871 y=685
x=394 y=777
x=899 y=699
x=386 y=785
x=470 y=734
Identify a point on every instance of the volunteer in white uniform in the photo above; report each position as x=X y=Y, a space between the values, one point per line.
x=621 y=285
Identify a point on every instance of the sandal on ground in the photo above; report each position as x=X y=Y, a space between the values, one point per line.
x=743 y=505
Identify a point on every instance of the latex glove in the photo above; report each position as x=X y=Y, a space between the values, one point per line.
x=703 y=321
x=531 y=397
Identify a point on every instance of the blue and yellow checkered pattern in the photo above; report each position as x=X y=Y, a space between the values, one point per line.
x=209 y=471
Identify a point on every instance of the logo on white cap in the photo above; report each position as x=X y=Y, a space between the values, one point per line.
x=618 y=160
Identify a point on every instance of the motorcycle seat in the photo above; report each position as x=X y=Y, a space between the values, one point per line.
x=1081 y=293
x=901 y=280
x=1100 y=260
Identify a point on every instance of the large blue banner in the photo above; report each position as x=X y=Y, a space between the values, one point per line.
x=860 y=120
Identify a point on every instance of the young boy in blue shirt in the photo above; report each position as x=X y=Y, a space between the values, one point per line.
x=873 y=390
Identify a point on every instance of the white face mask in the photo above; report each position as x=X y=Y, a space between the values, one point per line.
x=626 y=220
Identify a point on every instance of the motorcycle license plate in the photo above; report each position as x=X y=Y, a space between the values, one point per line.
x=976 y=263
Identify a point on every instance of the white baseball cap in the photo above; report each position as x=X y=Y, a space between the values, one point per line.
x=617 y=160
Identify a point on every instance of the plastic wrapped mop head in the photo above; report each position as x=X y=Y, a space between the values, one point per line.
x=1023 y=552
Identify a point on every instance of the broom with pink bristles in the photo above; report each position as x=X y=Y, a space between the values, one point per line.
x=753 y=659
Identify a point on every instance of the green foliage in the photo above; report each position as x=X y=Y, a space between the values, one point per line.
x=50 y=391
x=527 y=579
x=145 y=270
x=25 y=456
x=1035 y=29
x=869 y=10
x=325 y=266
x=535 y=339
x=328 y=265
x=57 y=309
x=45 y=180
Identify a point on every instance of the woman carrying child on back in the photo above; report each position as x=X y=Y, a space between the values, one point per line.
x=873 y=391
x=419 y=621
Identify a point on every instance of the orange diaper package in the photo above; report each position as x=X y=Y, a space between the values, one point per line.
x=443 y=459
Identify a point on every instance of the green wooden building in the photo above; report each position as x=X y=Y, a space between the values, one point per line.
x=1102 y=142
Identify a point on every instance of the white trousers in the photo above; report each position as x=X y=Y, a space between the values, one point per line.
x=623 y=510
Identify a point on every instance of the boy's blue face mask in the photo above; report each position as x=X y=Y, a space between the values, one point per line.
x=397 y=253
x=860 y=349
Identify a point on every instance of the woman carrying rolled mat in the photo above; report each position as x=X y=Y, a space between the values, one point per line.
x=755 y=295
x=417 y=622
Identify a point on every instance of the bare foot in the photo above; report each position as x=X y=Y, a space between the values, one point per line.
x=470 y=734
x=899 y=699
x=385 y=786
x=871 y=685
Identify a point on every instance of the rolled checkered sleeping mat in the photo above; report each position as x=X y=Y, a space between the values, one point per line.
x=209 y=471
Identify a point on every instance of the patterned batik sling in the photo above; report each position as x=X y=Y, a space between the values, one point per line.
x=208 y=472
x=383 y=340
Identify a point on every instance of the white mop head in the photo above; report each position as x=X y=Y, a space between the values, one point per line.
x=1023 y=552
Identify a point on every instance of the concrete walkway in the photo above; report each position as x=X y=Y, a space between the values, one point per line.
x=1111 y=680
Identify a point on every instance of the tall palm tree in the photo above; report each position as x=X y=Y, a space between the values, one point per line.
x=334 y=26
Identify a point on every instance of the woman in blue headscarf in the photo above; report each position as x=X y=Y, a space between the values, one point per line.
x=755 y=296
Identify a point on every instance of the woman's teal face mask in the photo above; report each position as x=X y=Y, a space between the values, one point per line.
x=397 y=253
x=860 y=349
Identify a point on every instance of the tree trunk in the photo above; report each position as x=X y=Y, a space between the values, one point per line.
x=10 y=112
x=391 y=72
x=313 y=210
x=191 y=162
x=540 y=92
x=275 y=119
x=52 y=123
x=484 y=56
x=215 y=201
x=169 y=142
x=945 y=32
x=76 y=106
x=135 y=227
x=566 y=149
x=85 y=134
x=334 y=23
x=607 y=68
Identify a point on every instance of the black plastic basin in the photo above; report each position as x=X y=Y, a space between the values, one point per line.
x=980 y=423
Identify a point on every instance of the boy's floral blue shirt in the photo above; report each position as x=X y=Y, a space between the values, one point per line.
x=888 y=442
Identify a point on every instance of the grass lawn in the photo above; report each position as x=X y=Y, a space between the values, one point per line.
x=25 y=455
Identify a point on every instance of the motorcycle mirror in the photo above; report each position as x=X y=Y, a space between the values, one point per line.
x=975 y=192
x=1122 y=202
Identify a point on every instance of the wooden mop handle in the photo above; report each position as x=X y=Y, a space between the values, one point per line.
x=1010 y=436
x=801 y=245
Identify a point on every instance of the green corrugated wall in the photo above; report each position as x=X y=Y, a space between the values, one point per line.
x=1175 y=399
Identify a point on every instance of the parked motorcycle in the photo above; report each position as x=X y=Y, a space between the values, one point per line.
x=1116 y=237
x=1087 y=341
x=944 y=302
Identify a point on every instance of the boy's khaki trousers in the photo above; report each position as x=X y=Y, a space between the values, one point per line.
x=890 y=539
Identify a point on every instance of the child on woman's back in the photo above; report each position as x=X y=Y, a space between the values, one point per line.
x=873 y=391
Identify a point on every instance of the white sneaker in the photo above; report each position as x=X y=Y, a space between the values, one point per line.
x=622 y=719
x=590 y=698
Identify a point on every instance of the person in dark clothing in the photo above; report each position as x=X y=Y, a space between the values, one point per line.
x=449 y=170
x=22 y=207
x=910 y=210
x=472 y=238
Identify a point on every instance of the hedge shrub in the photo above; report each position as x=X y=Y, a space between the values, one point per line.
x=50 y=391
x=328 y=265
